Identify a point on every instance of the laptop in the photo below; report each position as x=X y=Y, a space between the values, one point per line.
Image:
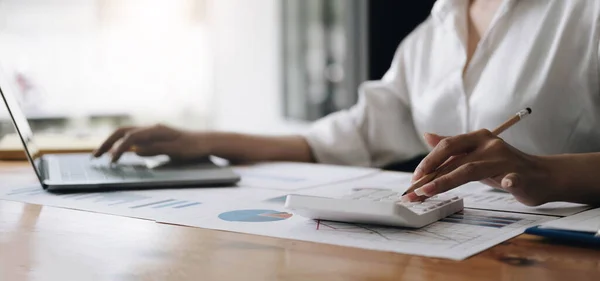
x=81 y=172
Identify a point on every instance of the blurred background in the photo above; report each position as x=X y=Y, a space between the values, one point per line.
x=85 y=67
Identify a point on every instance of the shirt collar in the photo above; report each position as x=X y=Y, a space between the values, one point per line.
x=443 y=10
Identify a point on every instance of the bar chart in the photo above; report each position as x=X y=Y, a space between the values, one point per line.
x=117 y=202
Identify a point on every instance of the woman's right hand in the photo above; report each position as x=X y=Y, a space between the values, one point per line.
x=179 y=145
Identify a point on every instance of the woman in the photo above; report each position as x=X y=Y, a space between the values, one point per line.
x=470 y=66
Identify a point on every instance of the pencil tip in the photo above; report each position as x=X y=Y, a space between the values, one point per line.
x=529 y=110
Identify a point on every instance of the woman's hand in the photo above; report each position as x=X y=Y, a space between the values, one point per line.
x=481 y=156
x=155 y=140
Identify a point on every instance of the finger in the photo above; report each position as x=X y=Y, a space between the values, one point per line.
x=452 y=165
x=111 y=140
x=136 y=137
x=515 y=184
x=452 y=146
x=510 y=181
x=154 y=149
x=471 y=171
x=412 y=197
x=432 y=140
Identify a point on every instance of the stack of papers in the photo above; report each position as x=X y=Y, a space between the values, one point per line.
x=479 y=196
x=588 y=221
x=296 y=176
x=475 y=195
x=256 y=206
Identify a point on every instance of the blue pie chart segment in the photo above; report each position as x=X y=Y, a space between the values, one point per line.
x=254 y=216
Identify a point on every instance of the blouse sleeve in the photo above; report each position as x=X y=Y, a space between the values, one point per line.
x=377 y=131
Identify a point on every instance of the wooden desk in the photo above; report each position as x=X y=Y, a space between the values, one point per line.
x=44 y=243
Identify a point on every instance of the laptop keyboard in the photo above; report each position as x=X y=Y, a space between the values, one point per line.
x=78 y=169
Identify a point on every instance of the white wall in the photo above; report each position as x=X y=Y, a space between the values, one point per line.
x=152 y=59
x=146 y=58
x=248 y=85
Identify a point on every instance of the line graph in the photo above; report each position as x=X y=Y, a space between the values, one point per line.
x=122 y=199
x=487 y=221
x=431 y=234
x=26 y=191
x=452 y=231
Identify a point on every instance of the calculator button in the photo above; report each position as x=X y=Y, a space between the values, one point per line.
x=437 y=202
x=413 y=204
x=418 y=208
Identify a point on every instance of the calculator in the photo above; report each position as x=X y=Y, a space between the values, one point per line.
x=375 y=206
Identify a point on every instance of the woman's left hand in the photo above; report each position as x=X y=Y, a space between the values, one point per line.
x=481 y=156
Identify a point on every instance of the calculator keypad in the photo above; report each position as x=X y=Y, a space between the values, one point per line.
x=428 y=205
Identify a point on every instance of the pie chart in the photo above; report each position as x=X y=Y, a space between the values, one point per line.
x=254 y=216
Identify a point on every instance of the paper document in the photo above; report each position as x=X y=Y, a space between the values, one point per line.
x=146 y=204
x=383 y=180
x=588 y=221
x=295 y=176
x=476 y=195
x=129 y=204
x=456 y=237
x=260 y=211
x=257 y=208
x=479 y=196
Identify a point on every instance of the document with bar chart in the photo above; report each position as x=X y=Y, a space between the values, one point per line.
x=146 y=204
x=456 y=237
x=124 y=203
x=255 y=210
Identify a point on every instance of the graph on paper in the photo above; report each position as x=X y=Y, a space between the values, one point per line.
x=88 y=201
x=280 y=200
x=457 y=236
x=481 y=220
x=254 y=216
x=431 y=235
x=478 y=196
x=468 y=226
x=26 y=191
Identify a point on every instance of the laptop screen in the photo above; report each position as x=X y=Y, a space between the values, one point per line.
x=22 y=127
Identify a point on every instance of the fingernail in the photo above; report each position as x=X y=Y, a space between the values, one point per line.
x=507 y=183
x=420 y=192
x=426 y=190
x=404 y=199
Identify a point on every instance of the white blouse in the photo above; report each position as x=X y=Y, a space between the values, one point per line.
x=542 y=54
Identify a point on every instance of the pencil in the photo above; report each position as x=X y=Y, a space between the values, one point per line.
x=499 y=130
